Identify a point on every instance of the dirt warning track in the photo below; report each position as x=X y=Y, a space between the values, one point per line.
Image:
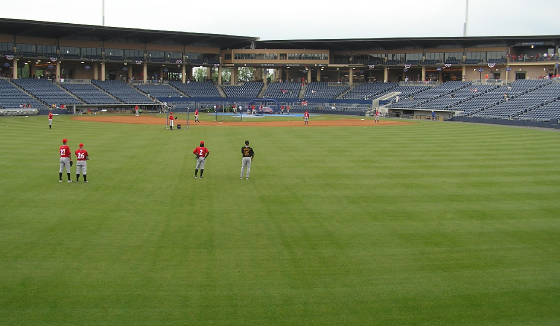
x=151 y=120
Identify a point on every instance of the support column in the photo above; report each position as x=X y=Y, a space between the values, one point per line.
x=463 y=73
x=95 y=71
x=440 y=77
x=183 y=73
x=102 y=71
x=350 y=76
x=280 y=74
x=318 y=74
x=386 y=75
x=129 y=73
x=220 y=75
x=423 y=73
x=209 y=73
x=507 y=74
x=233 y=79
x=287 y=75
x=14 y=69
x=309 y=76
x=32 y=70
x=58 y=71
x=145 y=73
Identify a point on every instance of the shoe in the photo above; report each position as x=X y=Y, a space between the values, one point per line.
x=195 y=177
x=240 y=178
x=69 y=181
x=201 y=177
x=85 y=181
x=59 y=180
x=246 y=178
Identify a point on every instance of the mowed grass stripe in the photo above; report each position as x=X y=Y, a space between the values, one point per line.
x=430 y=222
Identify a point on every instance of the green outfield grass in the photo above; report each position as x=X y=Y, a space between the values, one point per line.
x=429 y=223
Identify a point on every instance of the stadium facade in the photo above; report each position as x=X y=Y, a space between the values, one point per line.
x=46 y=65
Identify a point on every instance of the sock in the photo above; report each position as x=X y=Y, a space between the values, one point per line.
x=196 y=172
x=201 y=172
x=50 y=127
x=68 y=176
x=77 y=177
x=60 y=176
x=85 y=177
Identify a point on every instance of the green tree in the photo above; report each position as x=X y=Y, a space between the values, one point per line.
x=246 y=74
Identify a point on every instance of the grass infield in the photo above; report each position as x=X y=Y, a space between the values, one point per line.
x=429 y=223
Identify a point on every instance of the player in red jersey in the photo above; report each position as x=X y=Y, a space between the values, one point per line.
x=306 y=117
x=196 y=116
x=288 y=109
x=50 y=120
x=171 y=118
x=136 y=111
x=201 y=153
x=376 y=116
x=65 y=161
x=281 y=109
x=81 y=166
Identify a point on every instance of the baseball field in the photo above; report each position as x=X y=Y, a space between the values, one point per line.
x=416 y=224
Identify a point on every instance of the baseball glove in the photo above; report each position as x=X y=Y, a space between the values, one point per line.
x=71 y=163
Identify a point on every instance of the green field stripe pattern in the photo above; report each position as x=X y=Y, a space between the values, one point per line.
x=423 y=224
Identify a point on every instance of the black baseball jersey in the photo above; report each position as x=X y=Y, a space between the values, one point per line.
x=247 y=152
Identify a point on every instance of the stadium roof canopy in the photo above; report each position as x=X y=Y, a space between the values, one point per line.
x=412 y=42
x=105 y=33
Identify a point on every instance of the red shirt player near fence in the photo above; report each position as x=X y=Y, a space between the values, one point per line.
x=288 y=109
x=306 y=117
x=196 y=116
x=64 y=151
x=136 y=111
x=81 y=165
x=50 y=120
x=171 y=118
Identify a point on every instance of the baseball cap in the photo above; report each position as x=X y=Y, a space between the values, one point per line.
x=64 y=141
x=81 y=145
x=202 y=142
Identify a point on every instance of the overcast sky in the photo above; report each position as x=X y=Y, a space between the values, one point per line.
x=305 y=19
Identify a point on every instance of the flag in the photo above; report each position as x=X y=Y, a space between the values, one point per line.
x=491 y=65
x=447 y=65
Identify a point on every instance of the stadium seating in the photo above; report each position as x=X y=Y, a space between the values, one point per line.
x=283 y=90
x=123 y=92
x=448 y=101
x=547 y=112
x=13 y=97
x=422 y=99
x=368 y=91
x=523 y=95
x=90 y=94
x=324 y=90
x=159 y=91
x=47 y=91
x=245 y=90
x=196 y=89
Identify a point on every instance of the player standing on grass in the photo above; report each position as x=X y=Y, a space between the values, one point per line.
x=196 y=116
x=306 y=117
x=171 y=118
x=201 y=153
x=136 y=112
x=65 y=161
x=81 y=166
x=247 y=157
x=376 y=116
x=50 y=120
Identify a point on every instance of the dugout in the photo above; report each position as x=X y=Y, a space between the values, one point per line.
x=420 y=114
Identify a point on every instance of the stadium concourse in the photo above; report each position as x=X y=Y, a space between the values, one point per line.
x=513 y=79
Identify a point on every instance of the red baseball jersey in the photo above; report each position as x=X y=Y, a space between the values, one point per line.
x=201 y=151
x=50 y=115
x=171 y=117
x=81 y=154
x=196 y=112
x=64 y=151
x=306 y=114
